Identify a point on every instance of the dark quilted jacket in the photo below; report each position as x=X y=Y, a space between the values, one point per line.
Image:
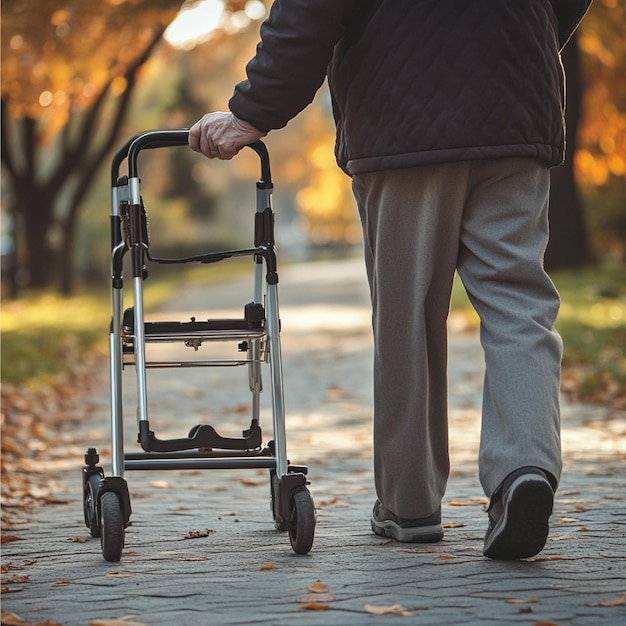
x=416 y=82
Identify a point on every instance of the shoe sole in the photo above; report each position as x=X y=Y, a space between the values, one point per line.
x=421 y=534
x=523 y=529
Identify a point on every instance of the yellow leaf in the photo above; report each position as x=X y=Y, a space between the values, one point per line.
x=453 y=525
x=319 y=587
x=473 y=501
x=566 y=520
x=395 y=609
x=444 y=557
x=266 y=566
x=315 y=606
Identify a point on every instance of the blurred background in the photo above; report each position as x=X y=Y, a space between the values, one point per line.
x=80 y=77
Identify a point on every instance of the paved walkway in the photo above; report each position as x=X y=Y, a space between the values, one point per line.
x=240 y=571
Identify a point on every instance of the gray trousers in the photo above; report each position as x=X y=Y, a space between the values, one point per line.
x=489 y=221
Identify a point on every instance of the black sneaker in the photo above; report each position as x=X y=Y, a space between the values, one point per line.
x=422 y=530
x=518 y=515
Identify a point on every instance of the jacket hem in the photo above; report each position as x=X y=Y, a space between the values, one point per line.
x=549 y=154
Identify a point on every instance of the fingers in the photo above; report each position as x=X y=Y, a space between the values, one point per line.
x=221 y=135
x=201 y=136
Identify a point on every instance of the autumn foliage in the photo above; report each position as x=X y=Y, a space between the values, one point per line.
x=602 y=140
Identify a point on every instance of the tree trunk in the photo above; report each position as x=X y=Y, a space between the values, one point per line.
x=37 y=211
x=568 y=246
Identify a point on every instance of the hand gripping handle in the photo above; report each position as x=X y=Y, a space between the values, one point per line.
x=170 y=138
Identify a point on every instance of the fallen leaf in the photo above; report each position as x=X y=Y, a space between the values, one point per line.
x=20 y=565
x=118 y=575
x=319 y=587
x=453 y=525
x=78 y=539
x=566 y=520
x=584 y=529
x=619 y=601
x=444 y=557
x=266 y=567
x=472 y=501
x=543 y=623
x=395 y=609
x=247 y=482
x=315 y=606
x=63 y=582
x=315 y=597
x=160 y=484
x=528 y=601
x=197 y=534
x=53 y=500
x=328 y=502
x=7 y=538
x=15 y=579
x=6 y=589
x=540 y=559
x=11 y=619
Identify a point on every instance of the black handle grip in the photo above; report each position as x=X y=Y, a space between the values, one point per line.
x=171 y=138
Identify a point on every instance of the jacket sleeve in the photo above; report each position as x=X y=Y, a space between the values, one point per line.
x=297 y=43
x=569 y=14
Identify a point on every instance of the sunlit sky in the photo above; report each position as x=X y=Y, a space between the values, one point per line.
x=194 y=24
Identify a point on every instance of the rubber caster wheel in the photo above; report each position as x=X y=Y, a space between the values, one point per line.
x=90 y=504
x=302 y=523
x=111 y=526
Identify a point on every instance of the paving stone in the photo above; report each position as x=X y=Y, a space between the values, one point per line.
x=165 y=578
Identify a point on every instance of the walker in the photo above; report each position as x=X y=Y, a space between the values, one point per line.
x=255 y=339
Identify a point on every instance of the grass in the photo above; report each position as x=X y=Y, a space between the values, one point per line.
x=592 y=323
x=45 y=334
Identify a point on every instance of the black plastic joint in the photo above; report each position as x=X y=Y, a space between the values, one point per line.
x=287 y=486
x=92 y=458
x=264 y=227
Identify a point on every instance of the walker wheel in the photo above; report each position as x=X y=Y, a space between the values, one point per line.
x=90 y=504
x=111 y=526
x=302 y=523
